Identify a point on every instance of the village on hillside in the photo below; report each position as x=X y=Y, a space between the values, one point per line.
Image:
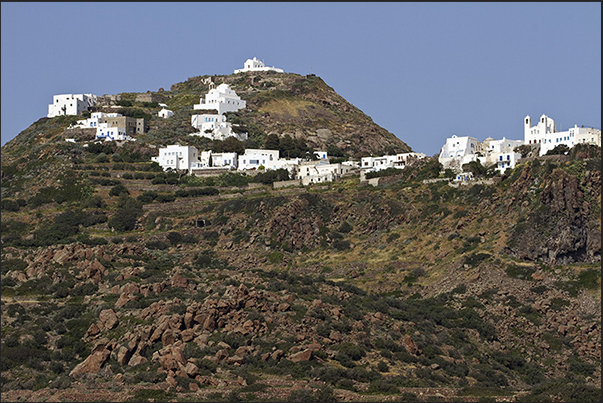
x=457 y=152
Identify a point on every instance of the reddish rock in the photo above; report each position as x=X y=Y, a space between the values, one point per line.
x=93 y=363
x=179 y=281
x=243 y=351
x=108 y=319
x=137 y=359
x=168 y=337
x=335 y=336
x=171 y=381
x=410 y=345
x=209 y=324
x=305 y=355
x=187 y=335
x=191 y=369
x=235 y=359
x=123 y=356
x=276 y=355
x=188 y=320
x=224 y=345
x=123 y=300
x=221 y=354
x=93 y=330
x=313 y=346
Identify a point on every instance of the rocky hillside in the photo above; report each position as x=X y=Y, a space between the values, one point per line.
x=303 y=107
x=121 y=282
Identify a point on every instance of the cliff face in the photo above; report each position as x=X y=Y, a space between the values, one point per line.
x=563 y=222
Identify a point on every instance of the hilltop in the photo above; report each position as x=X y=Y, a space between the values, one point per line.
x=122 y=282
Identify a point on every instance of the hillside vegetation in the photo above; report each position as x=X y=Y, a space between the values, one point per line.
x=122 y=282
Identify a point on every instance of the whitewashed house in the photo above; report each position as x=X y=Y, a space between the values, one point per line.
x=490 y=145
x=165 y=113
x=506 y=160
x=459 y=151
x=369 y=164
x=104 y=131
x=94 y=120
x=255 y=158
x=214 y=127
x=177 y=157
x=500 y=153
x=222 y=99
x=256 y=65
x=70 y=104
x=224 y=160
x=290 y=164
x=321 y=171
x=587 y=135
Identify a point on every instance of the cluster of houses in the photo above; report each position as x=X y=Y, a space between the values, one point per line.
x=213 y=124
x=113 y=126
x=188 y=158
x=460 y=150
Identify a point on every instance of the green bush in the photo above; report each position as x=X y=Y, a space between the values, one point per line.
x=118 y=189
x=152 y=395
x=275 y=257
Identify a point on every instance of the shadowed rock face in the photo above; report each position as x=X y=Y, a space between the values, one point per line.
x=563 y=228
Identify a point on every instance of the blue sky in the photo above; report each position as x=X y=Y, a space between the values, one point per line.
x=423 y=71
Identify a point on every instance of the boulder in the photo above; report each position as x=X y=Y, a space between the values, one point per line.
x=276 y=355
x=108 y=319
x=137 y=359
x=410 y=345
x=191 y=369
x=305 y=355
x=93 y=363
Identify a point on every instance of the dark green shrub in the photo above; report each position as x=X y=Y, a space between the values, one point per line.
x=341 y=244
x=165 y=198
x=147 y=196
x=152 y=395
x=118 y=189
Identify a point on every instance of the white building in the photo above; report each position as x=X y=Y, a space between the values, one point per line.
x=459 y=151
x=290 y=164
x=106 y=132
x=587 y=135
x=165 y=113
x=321 y=171
x=545 y=133
x=94 y=120
x=538 y=134
x=388 y=161
x=505 y=160
x=177 y=157
x=70 y=104
x=225 y=160
x=214 y=127
x=254 y=158
x=222 y=98
x=256 y=65
x=490 y=145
